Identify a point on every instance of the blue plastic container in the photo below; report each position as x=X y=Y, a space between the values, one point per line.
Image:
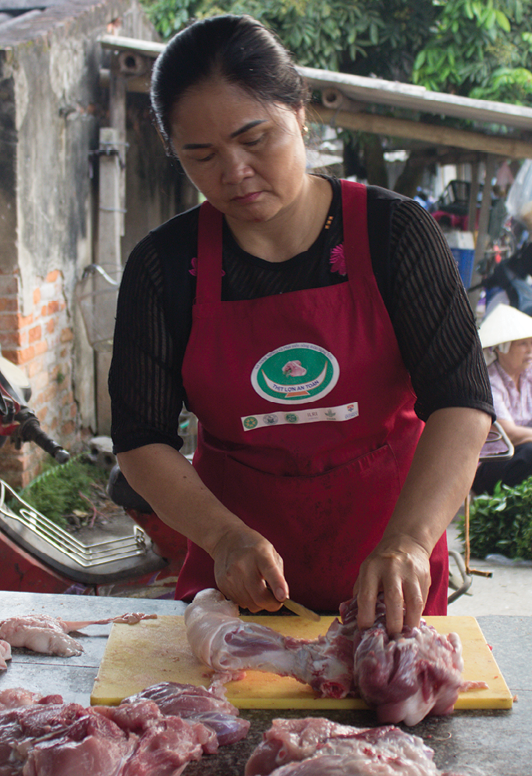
x=465 y=259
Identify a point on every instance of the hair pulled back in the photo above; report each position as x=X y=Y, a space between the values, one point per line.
x=237 y=48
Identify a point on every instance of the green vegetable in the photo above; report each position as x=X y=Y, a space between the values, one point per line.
x=64 y=492
x=502 y=523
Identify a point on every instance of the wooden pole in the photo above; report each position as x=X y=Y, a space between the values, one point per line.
x=429 y=133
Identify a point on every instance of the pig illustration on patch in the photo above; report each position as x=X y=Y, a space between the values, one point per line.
x=294 y=369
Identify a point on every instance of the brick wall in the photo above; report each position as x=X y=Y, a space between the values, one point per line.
x=41 y=345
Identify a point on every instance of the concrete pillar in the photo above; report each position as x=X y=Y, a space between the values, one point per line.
x=110 y=227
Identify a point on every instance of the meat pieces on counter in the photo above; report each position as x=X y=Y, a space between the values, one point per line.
x=46 y=737
x=49 y=635
x=405 y=677
x=5 y=654
x=199 y=705
x=318 y=747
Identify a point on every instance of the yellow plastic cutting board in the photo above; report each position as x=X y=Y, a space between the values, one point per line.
x=153 y=651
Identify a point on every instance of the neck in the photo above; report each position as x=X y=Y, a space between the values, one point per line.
x=513 y=375
x=291 y=231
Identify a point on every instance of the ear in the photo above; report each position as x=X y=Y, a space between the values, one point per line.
x=301 y=117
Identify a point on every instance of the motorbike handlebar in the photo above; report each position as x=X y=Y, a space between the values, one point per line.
x=31 y=431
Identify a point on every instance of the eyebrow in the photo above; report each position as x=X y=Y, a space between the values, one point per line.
x=236 y=133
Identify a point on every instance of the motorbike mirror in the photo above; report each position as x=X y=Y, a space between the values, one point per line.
x=14 y=380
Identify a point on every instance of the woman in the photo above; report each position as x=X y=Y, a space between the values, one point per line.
x=506 y=335
x=269 y=310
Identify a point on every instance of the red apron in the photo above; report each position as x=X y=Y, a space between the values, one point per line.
x=307 y=428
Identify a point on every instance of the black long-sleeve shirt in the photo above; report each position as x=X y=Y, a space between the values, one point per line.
x=415 y=272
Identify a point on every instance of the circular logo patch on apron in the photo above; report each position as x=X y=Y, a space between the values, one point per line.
x=299 y=372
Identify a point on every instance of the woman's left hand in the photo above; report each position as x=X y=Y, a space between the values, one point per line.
x=399 y=567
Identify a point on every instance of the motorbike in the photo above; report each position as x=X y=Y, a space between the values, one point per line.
x=36 y=554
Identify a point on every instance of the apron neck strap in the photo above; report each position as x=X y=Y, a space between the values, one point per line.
x=209 y=263
x=355 y=223
x=210 y=227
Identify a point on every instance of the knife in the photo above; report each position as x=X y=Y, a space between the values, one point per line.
x=301 y=610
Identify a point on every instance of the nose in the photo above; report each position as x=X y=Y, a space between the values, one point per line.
x=235 y=166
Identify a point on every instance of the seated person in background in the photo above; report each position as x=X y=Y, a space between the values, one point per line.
x=506 y=337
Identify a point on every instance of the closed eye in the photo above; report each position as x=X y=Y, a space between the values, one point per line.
x=254 y=142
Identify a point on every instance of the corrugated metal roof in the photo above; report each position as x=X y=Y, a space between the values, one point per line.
x=378 y=91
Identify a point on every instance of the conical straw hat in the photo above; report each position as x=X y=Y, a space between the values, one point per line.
x=504 y=324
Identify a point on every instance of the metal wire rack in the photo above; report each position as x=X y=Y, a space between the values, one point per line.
x=30 y=526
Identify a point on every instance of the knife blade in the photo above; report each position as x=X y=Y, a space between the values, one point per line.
x=301 y=610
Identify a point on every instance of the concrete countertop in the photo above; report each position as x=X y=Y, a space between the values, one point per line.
x=476 y=743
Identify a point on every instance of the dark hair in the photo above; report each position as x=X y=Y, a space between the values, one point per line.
x=237 y=48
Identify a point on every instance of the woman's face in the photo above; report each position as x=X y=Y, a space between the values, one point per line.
x=247 y=158
x=518 y=358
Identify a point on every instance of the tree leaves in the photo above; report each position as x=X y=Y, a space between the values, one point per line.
x=477 y=48
x=479 y=39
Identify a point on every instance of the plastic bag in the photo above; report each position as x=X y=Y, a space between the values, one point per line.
x=519 y=201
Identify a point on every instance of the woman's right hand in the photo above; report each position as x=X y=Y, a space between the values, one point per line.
x=247 y=568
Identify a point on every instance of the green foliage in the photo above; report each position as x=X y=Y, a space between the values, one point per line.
x=475 y=48
x=479 y=49
x=63 y=490
x=502 y=523
x=331 y=34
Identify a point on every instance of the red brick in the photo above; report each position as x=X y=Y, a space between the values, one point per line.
x=35 y=367
x=26 y=355
x=13 y=339
x=68 y=428
x=67 y=335
x=41 y=347
x=8 y=304
x=37 y=296
x=8 y=284
x=51 y=391
x=52 y=308
x=52 y=276
x=9 y=321
x=24 y=320
x=35 y=334
x=50 y=326
x=12 y=355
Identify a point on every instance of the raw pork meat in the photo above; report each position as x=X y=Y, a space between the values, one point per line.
x=224 y=642
x=405 y=677
x=14 y=697
x=49 y=635
x=46 y=737
x=90 y=745
x=319 y=747
x=196 y=704
x=5 y=654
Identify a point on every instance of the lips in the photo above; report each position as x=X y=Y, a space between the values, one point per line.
x=246 y=198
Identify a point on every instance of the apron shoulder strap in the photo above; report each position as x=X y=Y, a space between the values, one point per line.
x=355 y=221
x=209 y=259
